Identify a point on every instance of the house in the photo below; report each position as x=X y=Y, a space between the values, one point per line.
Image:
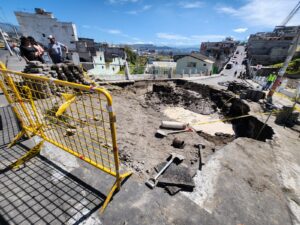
x=194 y=63
x=86 y=49
x=221 y=51
x=105 y=63
x=161 y=67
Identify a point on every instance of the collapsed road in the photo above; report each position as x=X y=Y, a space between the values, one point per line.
x=242 y=176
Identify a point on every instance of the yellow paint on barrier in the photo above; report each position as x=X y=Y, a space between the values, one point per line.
x=94 y=138
x=69 y=99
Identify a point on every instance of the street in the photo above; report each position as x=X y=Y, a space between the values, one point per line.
x=228 y=74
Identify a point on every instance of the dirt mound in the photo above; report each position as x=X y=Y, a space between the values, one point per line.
x=170 y=95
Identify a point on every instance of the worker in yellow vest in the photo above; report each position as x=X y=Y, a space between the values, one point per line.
x=271 y=78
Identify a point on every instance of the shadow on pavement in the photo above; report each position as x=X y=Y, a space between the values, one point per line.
x=42 y=193
x=39 y=192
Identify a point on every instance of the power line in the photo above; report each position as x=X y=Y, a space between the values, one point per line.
x=290 y=16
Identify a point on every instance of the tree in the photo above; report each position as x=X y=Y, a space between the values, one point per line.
x=131 y=56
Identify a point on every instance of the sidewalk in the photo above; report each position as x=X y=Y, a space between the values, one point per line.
x=57 y=188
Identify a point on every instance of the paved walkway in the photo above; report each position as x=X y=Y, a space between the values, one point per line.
x=57 y=188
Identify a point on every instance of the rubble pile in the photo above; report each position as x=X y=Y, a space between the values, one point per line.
x=67 y=71
x=287 y=117
x=245 y=91
x=169 y=94
x=237 y=87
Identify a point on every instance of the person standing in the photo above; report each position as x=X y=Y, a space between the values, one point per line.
x=271 y=78
x=38 y=47
x=27 y=51
x=55 y=50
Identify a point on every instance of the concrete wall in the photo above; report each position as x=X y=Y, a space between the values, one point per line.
x=40 y=26
x=201 y=66
x=150 y=77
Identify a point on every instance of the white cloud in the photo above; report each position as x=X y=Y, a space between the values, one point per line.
x=86 y=26
x=265 y=13
x=143 y=9
x=110 y=31
x=180 y=40
x=113 y=31
x=228 y=10
x=146 y=7
x=191 y=5
x=240 y=30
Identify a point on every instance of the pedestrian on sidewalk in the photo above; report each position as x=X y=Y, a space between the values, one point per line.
x=55 y=50
x=271 y=78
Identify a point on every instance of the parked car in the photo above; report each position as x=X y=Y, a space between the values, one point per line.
x=228 y=66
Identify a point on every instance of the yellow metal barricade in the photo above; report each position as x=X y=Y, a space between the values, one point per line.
x=76 y=118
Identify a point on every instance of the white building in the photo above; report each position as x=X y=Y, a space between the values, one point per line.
x=41 y=24
x=161 y=67
x=102 y=67
x=194 y=64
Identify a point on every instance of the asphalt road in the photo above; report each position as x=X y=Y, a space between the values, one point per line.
x=228 y=74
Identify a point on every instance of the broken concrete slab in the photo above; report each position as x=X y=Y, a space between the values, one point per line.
x=179 y=176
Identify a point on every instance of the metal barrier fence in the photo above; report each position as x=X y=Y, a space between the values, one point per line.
x=76 y=118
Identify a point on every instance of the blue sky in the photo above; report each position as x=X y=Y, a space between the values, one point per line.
x=161 y=22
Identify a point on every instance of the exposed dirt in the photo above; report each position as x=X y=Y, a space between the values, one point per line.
x=139 y=109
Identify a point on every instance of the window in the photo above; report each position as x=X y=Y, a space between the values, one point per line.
x=191 y=64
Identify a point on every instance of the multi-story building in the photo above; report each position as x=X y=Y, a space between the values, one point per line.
x=41 y=24
x=268 y=48
x=221 y=51
x=86 y=48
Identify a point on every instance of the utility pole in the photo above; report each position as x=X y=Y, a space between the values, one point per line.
x=17 y=36
x=6 y=43
x=127 y=70
x=291 y=52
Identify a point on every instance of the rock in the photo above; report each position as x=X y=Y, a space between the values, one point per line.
x=84 y=120
x=70 y=132
x=173 y=190
x=179 y=176
x=72 y=125
x=68 y=72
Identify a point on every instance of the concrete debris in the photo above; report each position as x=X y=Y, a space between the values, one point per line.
x=287 y=117
x=220 y=134
x=169 y=94
x=253 y=95
x=63 y=71
x=70 y=132
x=245 y=90
x=176 y=178
x=178 y=143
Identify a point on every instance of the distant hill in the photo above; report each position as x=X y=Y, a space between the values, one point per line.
x=151 y=47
